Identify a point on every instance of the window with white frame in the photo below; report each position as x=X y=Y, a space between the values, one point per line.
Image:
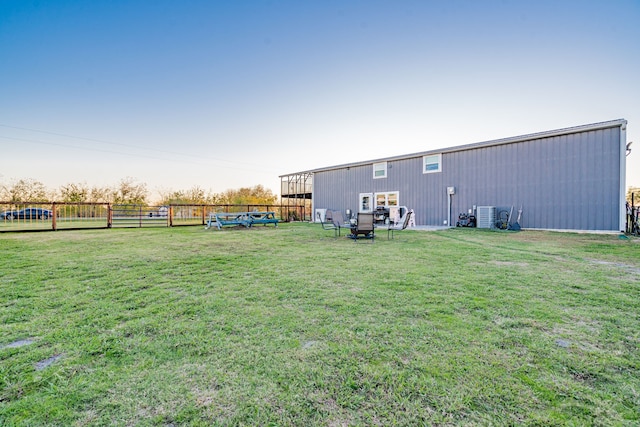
x=366 y=203
x=432 y=163
x=380 y=170
x=387 y=199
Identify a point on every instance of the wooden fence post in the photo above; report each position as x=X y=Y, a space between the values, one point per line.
x=54 y=215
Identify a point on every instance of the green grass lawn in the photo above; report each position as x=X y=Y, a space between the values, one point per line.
x=288 y=326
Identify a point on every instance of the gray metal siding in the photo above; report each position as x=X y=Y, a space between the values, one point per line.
x=562 y=182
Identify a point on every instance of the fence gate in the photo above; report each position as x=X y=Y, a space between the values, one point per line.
x=131 y=216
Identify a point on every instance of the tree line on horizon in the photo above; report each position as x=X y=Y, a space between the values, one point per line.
x=129 y=191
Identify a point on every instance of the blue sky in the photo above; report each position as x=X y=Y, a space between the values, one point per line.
x=231 y=94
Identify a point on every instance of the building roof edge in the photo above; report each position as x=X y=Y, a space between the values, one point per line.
x=502 y=141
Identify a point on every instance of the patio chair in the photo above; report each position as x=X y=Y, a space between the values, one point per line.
x=338 y=221
x=328 y=224
x=334 y=220
x=364 y=227
x=400 y=225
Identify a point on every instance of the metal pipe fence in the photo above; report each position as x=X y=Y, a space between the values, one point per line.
x=52 y=216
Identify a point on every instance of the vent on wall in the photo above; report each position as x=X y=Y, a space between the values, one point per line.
x=486 y=216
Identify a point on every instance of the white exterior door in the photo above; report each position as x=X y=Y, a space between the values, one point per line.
x=365 y=204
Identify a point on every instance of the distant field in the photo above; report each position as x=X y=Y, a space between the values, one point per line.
x=46 y=224
x=78 y=223
x=288 y=326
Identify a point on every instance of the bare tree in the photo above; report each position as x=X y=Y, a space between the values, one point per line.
x=25 y=190
x=74 y=192
x=130 y=192
x=636 y=192
x=257 y=195
x=195 y=196
x=100 y=194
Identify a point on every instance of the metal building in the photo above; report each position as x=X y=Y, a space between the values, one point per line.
x=565 y=179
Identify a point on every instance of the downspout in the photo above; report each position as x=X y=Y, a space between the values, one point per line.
x=450 y=192
x=449 y=209
x=623 y=175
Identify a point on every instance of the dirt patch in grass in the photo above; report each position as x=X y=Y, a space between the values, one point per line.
x=17 y=344
x=510 y=263
x=618 y=265
x=43 y=364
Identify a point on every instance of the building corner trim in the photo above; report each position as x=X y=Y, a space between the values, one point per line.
x=623 y=175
